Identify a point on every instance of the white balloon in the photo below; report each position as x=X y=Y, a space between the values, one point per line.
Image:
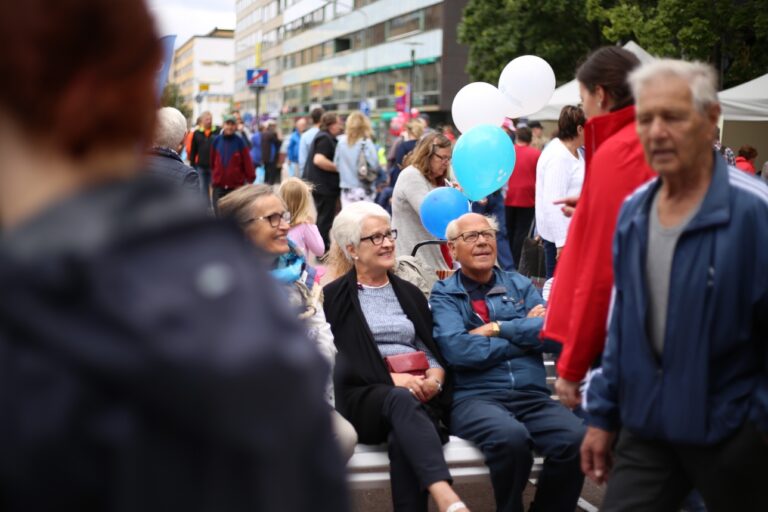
x=527 y=83
x=478 y=103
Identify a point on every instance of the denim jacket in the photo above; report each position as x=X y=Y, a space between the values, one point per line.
x=483 y=364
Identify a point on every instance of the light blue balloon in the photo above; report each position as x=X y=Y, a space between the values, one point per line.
x=483 y=160
x=440 y=207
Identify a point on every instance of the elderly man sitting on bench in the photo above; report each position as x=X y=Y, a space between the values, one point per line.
x=487 y=324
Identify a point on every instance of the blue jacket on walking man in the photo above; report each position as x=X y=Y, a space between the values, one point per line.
x=684 y=377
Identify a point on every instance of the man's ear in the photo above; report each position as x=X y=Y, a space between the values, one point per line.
x=713 y=113
x=452 y=249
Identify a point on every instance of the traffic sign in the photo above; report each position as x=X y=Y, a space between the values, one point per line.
x=365 y=108
x=257 y=78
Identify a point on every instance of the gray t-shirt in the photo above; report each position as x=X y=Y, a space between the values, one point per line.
x=392 y=330
x=658 y=271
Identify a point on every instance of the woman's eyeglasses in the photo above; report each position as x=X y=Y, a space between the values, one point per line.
x=473 y=236
x=443 y=158
x=274 y=219
x=378 y=238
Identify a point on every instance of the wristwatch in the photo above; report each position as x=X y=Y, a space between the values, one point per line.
x=495 y=328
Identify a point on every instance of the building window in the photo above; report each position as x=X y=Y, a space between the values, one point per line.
x=405 y=24
x=433 y=17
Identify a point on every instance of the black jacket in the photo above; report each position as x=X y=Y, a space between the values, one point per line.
x=166 y=164
x=362 y=380
x=148 y=363
x=200 y=149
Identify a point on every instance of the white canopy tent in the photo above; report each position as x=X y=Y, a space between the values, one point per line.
x=746 y=102
x=568 y=94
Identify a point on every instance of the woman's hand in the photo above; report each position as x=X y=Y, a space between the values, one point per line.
x=418 y=386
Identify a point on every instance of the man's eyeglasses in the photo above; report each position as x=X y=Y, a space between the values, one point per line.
x=378 y=238
x=473 y=236
x=274 y=219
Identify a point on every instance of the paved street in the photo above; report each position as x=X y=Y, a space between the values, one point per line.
x=479 y=497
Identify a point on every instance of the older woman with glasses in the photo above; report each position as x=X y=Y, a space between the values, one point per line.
x=390 y=381
x=264 y=218
x=427 y=169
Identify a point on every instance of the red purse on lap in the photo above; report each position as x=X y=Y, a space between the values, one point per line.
x=414 y=363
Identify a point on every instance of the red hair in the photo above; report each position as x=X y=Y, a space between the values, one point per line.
x=80 y=73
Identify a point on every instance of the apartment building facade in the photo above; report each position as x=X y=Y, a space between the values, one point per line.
x=203 y=68
x=341 y=53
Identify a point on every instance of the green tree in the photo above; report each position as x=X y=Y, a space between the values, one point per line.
x=497 y=31
x=172 y=98
x=731 y=35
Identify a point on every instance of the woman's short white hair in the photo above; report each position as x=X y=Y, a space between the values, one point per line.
x=701 y=79
x=170 y=128
x=348 y=223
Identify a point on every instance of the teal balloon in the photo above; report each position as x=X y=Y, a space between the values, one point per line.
x=483 y=160
x=440 y=207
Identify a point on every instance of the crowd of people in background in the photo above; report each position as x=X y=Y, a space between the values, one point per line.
x=220 y=333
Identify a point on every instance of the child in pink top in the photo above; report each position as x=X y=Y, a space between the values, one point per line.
x=297 y=195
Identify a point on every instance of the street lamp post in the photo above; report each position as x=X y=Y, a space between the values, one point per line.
x=412 y=78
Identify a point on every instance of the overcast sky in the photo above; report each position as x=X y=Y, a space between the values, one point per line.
x=187 y=18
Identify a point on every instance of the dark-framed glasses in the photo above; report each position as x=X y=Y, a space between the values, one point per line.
x=378 y=238
x=443 y=158
x=274 y=219
x=473 y=236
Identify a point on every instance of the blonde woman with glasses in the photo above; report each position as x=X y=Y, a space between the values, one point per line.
x=427 y=168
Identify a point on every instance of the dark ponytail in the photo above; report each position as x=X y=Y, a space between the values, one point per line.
x=609 y=67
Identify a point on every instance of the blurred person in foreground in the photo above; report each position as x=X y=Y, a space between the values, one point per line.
x=163 y=158
x=581 y=292
x=148 y=363
x=684 y=376
x=487 y=323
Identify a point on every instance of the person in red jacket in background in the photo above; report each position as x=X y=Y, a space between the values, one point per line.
x=519 y=204
x=746 y=159
x=615 y=165
x=231 y=164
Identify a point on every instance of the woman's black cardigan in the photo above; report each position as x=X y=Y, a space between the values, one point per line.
x=361 y=379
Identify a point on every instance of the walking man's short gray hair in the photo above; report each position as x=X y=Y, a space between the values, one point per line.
x=701 y=79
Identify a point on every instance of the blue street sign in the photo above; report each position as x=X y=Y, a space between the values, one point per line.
x=257 y=77
x=365 y=108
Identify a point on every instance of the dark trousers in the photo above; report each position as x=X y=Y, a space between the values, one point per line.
x=326 y=211
x=271 y=173
x=205 y=182
x=216 y=194
x=518 y=226
x=415 y=452
x=550 y=257
x=507 y=427
x=656 y=476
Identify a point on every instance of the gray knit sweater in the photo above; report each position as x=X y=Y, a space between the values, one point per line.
x=393 y=332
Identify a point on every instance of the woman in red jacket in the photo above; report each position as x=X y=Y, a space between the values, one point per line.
x=615 y=165
x=746 y=159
